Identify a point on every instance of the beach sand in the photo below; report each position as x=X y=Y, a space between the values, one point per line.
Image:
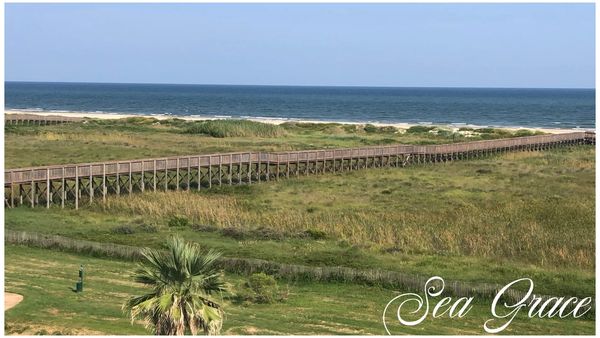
x=402 y=126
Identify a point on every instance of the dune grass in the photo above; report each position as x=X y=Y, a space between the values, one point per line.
x=234 y=128
x=46 y=278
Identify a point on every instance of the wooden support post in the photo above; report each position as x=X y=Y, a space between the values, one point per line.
x=268 y=171
x=199 y=174
x=287 y=166
x=12 y=189
x=104 y=183
x=91 y=185
x=154 y=176
x=32 y=191
x=209 y=172
x=130 y=180
x=177 y=175
x=333 y=161
x=76 y=187
x=118 y=179
x=277 y=167
x=230 y=169
x=220 y=168
x=47 y=188
x=166 y=175
x=143 y=181
x=189 y=173
x=249 y=168
x=240 y=169
x=306 y=169
x=62 y=190
x=258 y=167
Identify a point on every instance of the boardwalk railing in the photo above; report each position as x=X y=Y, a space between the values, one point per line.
x=83 y=182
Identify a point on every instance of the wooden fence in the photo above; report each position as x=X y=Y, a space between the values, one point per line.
x=77 y=183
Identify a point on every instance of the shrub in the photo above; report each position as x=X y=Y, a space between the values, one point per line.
x=485 y=130
x=123 y=230
x=419 y=129
x=261 y=288
x=311 y=210
x=178 y=221
x=235 y=233
x=316 y=234
x=150 y=228
x=369 y=128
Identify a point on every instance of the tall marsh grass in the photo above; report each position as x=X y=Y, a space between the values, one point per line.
x=530 y=207
x=234 y=128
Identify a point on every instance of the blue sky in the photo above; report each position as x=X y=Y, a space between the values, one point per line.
x=439 y=45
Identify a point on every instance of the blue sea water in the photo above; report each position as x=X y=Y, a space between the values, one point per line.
x=552 y=108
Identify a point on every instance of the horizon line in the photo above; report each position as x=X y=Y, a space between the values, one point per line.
x=291 y=85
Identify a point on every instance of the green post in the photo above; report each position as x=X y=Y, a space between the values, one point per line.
x=79 y=284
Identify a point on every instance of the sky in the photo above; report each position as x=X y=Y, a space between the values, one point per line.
x=402 y=45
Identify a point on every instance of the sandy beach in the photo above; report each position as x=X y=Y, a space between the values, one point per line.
x=276 y=121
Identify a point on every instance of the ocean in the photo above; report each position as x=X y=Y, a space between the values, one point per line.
x=503 y=107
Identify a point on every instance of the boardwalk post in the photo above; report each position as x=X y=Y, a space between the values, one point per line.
x=143 y=177
x=268 y=165
x=91 y=185
x=199 y=174
x=209 y=172
x=48 y=188
x=76 y=187
x=249 y=168
x=12 y=189
x=258 y=167
x=189 y=173
x=334 y=161
x=154 y=176
x=220 y=168
x=118 y=179
x=32 y=190
x=166 y=175
x=287 y=174
x=230 y=169
x=277 y=167
x=240 y=169
x=104 y=182
x=177 y=177
x=130 y=179
x=62 y=190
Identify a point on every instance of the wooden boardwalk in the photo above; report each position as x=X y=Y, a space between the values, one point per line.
x=75 y=184
x=34 y=119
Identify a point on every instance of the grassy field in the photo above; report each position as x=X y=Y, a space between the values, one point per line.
x=46 y=279
x=100 y=140
x=490 y=220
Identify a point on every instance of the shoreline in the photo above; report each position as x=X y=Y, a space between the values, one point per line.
x=278 y=121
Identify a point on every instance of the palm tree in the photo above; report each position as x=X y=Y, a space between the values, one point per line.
x=182 y=279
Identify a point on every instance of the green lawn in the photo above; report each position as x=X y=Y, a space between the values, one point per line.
x=46 y=278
